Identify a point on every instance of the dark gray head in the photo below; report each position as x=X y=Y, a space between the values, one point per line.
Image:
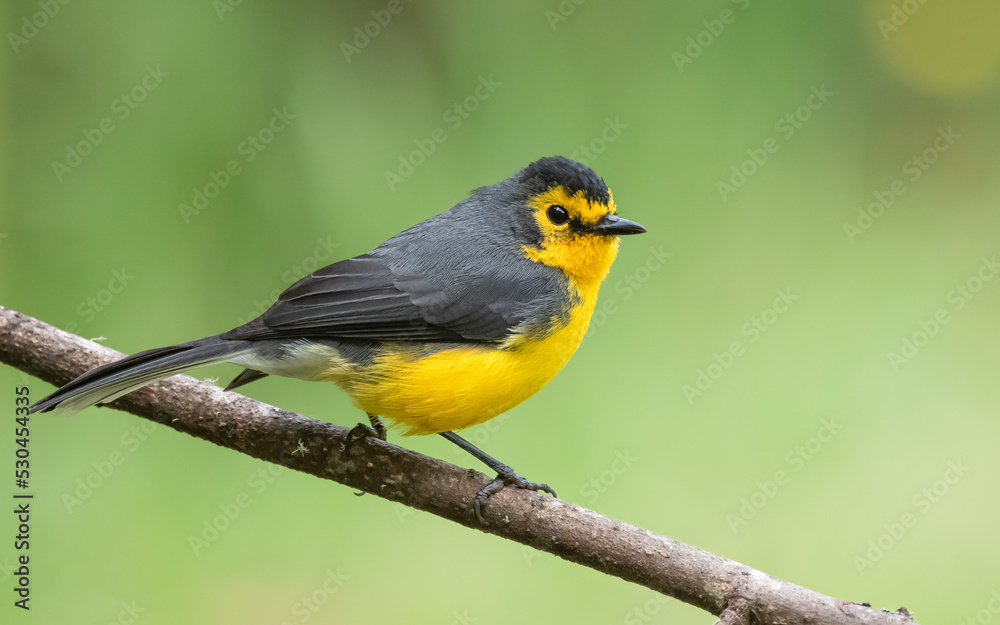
x=554 y=171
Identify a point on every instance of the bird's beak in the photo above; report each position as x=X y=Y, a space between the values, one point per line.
x=614 y=225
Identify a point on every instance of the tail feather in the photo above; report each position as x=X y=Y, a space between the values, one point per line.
x=109 y=382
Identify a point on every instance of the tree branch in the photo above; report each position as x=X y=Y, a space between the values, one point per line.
x=734 y=592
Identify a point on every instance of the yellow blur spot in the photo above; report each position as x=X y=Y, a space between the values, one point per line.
x=946 y=48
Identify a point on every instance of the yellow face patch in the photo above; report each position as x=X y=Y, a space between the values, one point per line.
x=584 y=256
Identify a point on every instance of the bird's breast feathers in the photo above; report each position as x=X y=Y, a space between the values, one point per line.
x=460 y=385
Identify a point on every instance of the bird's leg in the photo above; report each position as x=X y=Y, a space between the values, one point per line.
x=359 y=431
x=505 y=475
x=377 y=425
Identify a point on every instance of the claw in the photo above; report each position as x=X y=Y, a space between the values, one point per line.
x=506 y=477
x=360 y=431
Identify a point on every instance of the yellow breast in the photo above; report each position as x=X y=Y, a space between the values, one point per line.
x=459 y=387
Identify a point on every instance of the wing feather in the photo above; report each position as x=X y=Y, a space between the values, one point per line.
x=363 y=298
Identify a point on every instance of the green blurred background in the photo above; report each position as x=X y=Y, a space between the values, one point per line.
x=815 y=456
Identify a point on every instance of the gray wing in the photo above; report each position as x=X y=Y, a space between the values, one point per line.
x=395 y=293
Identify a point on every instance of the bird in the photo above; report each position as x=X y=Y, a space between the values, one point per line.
x=445 y=325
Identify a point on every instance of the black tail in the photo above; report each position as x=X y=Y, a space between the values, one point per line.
x=111 y=381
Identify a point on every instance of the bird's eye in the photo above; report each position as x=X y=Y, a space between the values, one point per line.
x=557 y=214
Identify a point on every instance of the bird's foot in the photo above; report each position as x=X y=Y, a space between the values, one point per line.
x=505 y=477
x=360 y=431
